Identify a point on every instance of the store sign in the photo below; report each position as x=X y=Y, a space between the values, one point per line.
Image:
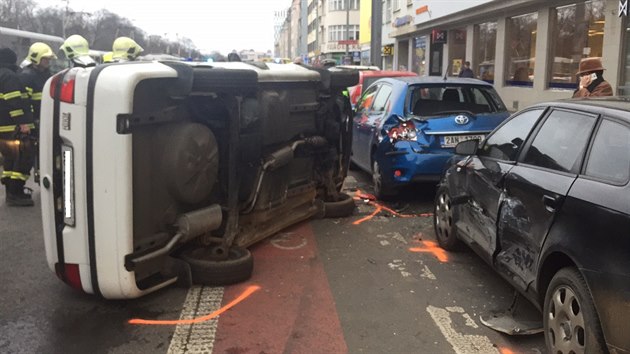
x=402 y=21
x=460 y=36
x=438 y=36
x=427 y=10
x=388 y=50
x=623 y=8
x=338 y=47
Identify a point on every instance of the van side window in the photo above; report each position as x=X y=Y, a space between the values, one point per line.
x=610 y=154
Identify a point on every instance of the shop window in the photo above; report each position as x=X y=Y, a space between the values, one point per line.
x=419 y=55
x=521 y=50
x=578 y=33
x=456 y=50
x=485 y=51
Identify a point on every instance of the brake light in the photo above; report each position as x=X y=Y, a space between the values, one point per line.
x=65 y=90
x=403 y=131
x=71 y=276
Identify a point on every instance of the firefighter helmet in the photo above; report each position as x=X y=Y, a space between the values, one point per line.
x=39 y=50
x=108 y=57
x=125 y=48
x=75 y=46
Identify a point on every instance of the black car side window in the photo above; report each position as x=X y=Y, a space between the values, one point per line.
x=507 y=140
x=561 y=142
x=610 y=155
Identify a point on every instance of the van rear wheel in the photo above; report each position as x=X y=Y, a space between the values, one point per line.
x=206 y=269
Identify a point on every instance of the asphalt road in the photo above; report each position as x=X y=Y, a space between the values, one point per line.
x=371 y=283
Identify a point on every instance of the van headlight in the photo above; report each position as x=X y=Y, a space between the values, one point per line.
x=67 y=157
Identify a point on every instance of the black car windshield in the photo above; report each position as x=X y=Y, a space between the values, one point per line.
x=438 y=100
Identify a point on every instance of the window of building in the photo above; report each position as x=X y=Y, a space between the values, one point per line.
x=610 y=156
x=578 y=33
x=561 y=142
x=388 y=11
x=338 y=33
x=485 y=51
x=396 y=5
x=419 y=55
x=340 y=5
x=520 y=50
x=506 y=141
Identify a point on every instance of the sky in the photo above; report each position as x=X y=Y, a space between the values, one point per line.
x=221 y=25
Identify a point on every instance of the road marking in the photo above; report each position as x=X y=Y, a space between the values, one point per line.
x=385 y=243
x=284 y=240
x=427 y=273
x=378 y=210
x=197 y=337
x=461 y=343
x=431 y=247
x=399 y=265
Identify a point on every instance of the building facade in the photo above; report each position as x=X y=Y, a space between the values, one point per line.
x=529 y=49
x=333 y=31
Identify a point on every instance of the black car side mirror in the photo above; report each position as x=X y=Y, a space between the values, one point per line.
x=468 y=147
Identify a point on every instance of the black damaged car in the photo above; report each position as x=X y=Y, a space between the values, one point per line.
x=545 y=200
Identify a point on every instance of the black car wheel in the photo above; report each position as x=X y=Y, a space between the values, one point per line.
x=342 y=208
x=570 y=319
x=381 y=190
x=207 y=270
x=444 y=221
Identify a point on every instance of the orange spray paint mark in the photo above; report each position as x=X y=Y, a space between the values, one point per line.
x=505 y=351
x=432 y=247
x=369 y=217
x=250 y=290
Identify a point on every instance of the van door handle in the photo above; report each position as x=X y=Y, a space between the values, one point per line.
x=550 y=203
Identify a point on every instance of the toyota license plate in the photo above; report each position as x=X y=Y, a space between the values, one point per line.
x=452 y=140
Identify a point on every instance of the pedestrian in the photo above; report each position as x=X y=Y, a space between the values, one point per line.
x=34 y=77
x=77 y=50
x=125 y=49
x=591 y=79
x=16 y=121
x=466 y=71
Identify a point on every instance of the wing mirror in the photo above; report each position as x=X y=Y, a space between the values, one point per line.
x=468 y=147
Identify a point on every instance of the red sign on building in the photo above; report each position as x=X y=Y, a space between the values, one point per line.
x=438 y=36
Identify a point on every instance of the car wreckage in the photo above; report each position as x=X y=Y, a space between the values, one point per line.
x=155 y=173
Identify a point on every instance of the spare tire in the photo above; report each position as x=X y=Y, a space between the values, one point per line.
x=207 y=270
x=191 y=162
x=342 y=208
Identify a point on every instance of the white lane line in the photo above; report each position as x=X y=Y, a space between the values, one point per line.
x=461 y=343
x=198 y=337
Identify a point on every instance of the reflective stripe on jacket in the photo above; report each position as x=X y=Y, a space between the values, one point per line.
x=15 y=109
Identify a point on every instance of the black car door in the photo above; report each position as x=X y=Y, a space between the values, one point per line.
x=484 y=181
x=536 y=188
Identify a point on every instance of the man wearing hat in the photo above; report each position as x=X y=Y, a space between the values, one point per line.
x=15 y=119
x=592 y=81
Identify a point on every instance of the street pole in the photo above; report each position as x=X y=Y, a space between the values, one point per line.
x=347 y=27
x=376 y=31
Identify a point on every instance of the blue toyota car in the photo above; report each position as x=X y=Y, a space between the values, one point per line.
x=405 y=129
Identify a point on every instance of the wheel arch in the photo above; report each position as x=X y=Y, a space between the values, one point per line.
x=552 y=263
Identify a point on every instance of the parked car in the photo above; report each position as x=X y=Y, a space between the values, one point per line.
x=545 y=200
x=367 y=77
x=405 y=129
x=156 y=173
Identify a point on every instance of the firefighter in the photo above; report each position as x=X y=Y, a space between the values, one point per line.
x=125 y=49
x=34 y=76
x=77 y=50
x=16 y=122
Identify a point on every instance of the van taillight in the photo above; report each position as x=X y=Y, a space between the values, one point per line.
x=71 y=276
x=63 y=91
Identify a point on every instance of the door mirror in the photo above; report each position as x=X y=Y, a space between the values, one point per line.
x=468 y=147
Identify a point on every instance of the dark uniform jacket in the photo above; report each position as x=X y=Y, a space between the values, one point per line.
x=15 y=108
x=34 y=81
